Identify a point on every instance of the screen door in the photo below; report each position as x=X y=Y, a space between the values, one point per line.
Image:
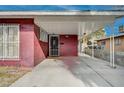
x=53 y=45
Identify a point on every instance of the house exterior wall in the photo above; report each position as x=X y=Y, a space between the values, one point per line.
x=30 y=51
x=68 y=45
x=121 y=46
x=107 y=44
x=118 y=48
x=27 y=45
x=40 y=47
x=45 y=47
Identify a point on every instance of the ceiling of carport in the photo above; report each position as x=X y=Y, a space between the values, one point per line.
x=70 y=24
x=60 y=27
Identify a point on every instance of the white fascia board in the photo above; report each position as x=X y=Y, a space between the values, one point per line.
x=61 y=13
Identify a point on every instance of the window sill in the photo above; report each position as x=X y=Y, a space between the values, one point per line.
x=11 y=59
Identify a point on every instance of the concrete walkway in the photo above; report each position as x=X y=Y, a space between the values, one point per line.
x=72 y=71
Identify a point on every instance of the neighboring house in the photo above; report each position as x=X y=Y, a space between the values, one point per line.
x=118 y=32
x=119 y=43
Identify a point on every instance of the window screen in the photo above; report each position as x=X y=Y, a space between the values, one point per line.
x=9 y=41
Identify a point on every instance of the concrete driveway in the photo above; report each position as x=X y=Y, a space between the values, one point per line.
x=72 y=72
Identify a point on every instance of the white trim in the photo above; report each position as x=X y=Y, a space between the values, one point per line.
x=43 y=36
x=62 y=13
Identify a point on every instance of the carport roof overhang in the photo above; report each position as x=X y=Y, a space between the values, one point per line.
x=67 y=22
x=60 y=13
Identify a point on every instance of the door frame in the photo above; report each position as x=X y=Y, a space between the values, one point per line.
x=50 y=35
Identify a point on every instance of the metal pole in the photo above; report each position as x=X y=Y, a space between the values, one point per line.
x=93 y=49
x=113 y=48
x=113 y=58
x=110 y=51
x=79 y=37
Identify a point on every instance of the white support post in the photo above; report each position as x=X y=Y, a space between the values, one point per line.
x=110 y=51
x=113 y=54
x=93 y=49
x=79 y=37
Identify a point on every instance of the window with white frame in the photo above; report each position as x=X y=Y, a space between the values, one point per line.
x=9 y=41
x=43 y=36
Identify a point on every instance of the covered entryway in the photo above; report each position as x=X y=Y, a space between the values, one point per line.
x=70 y=30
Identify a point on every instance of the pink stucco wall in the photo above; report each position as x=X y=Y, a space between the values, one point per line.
x=31 y=52
x=40 y=48
x=27 y=45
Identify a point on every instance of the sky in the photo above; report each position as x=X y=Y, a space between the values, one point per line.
x=111 y=29
x=61 y=8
